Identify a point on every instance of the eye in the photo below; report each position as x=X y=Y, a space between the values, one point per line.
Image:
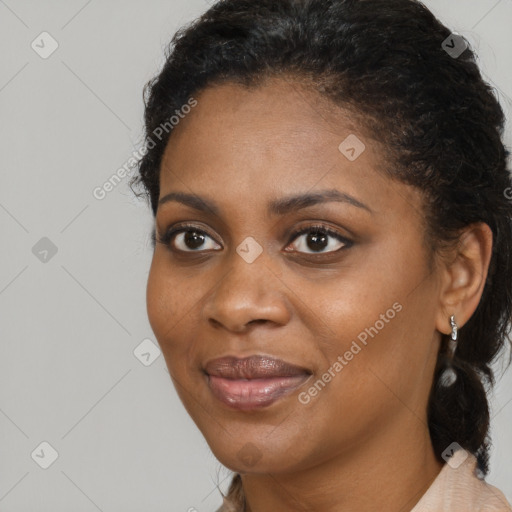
x=320 y=240
x=188 y=238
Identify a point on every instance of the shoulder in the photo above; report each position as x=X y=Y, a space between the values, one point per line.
x=457 y=487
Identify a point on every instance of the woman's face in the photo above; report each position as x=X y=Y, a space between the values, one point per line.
x=353 y=310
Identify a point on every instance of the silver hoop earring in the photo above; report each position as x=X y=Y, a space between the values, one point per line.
x=449 y=376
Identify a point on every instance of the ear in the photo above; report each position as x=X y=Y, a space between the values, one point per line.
x=463 y=276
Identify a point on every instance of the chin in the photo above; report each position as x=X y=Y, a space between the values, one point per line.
x=256 y=448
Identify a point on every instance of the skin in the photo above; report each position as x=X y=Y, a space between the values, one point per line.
x=363 y=439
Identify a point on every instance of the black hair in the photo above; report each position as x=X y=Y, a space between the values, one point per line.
x=388 y=61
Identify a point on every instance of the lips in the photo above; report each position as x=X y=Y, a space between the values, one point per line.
x=253 y=367
x=253 y=382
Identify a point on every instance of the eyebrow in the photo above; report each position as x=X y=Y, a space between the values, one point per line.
x=276 y=207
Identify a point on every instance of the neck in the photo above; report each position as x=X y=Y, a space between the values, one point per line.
x=388 y=473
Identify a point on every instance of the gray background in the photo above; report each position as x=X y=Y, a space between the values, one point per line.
x=71 y=322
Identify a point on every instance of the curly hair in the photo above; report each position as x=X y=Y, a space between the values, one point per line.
x=440 y=122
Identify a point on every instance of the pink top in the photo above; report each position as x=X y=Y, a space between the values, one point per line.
x=457 y=488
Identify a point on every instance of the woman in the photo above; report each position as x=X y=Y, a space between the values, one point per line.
x=331 y=275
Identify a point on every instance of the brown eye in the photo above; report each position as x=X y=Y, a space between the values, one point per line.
x=319 y=240
x=189 y=239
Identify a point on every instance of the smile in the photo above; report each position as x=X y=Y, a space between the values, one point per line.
x=246 y=394
x=253 y=382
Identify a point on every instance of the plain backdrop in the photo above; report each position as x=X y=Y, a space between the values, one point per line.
x=73 y=373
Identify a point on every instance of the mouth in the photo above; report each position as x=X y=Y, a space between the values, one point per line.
x=253 y=382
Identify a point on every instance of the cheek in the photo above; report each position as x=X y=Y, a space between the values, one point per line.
x=157 y=298
x=174 y=298
x=377 y=318
x=167 y=304
x=362 y=381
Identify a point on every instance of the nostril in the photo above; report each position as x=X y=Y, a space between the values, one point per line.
x=258 y=321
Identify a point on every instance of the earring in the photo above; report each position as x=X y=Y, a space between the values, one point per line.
x=449 y=376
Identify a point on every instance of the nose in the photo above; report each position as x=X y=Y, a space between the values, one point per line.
x=248 y=294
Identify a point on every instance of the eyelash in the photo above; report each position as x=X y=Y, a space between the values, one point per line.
x=166 y=238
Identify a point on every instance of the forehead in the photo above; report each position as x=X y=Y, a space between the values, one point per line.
x=278 y=113
x=243 y=144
